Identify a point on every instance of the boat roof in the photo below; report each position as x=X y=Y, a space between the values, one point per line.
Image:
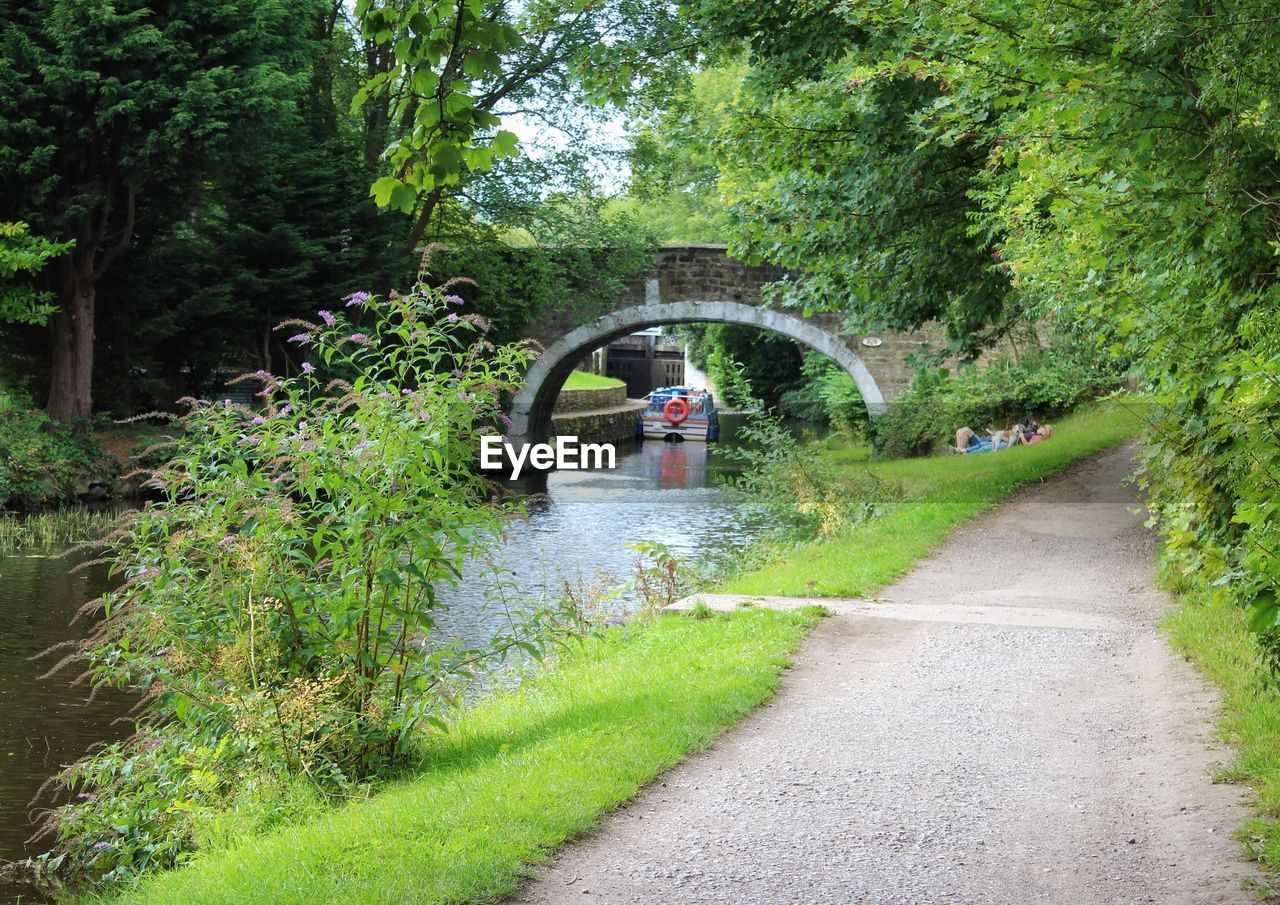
x=681 y=390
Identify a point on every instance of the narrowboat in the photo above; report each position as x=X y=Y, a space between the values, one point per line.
x=680 y=413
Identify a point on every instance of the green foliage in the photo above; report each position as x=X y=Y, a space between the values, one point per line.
x=768 y=362
x=583 y=259
x=730 y=382
x=988 y=398
x=55 y=530
x=803 y=493
x=444 y=74
x=43 y=463
x=826 y=393
x=22 y=256
x=283 y=227
x=108 y=101
x=279 y=608
x=438 y=51
x=827 y=174
x=657 y=577
x=674 y=170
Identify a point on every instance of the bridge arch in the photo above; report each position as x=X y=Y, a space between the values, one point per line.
x=532 y=406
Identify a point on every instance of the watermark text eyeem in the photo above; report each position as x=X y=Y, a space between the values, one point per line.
x=567 y=454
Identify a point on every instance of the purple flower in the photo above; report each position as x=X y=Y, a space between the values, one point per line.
x=300 y=338
x=357 y=299
x=358 y=338
x=262 y=375
x=162 y=652
x=453 y=318
x=226 y=403
x=308 y=368
x=454 y=300
x=327 y=317
x=505 y=420
x=302 y=425
x=286 y=409
x=258 y=419
x=101 y=845
x=250 y=440
x=405 y=391
x=456 y=372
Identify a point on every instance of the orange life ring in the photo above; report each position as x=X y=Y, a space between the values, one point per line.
x=676 y=410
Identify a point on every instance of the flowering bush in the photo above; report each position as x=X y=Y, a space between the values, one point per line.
x=277 y=611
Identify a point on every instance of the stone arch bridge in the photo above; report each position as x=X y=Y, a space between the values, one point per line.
x=702 y=284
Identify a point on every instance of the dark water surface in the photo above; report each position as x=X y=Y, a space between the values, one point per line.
x=658 y=492
x=45 y=724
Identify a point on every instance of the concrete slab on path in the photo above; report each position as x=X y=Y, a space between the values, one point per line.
x=1004 y=725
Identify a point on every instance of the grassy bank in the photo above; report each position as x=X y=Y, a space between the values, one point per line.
x=941 y=493
x=583 y=380
x=520 y=775
x=524 y=773
x=1213 y=633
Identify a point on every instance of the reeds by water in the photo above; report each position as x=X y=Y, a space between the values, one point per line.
x=46 y=532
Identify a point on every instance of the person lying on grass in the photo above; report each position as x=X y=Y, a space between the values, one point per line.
x=967 y=441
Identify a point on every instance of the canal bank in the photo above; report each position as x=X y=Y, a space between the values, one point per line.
x=578 y=532
x=541 y=764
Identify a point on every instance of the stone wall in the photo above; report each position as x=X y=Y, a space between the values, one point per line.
x=616 y=425
x=704 y=272
x=586 y=400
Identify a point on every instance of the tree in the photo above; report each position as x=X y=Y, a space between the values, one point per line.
x=22 y=256
x=105 y=99
x=284 y=226
x=823 y=170
x=1113 y=167
x=675 y=169
x=441 y=76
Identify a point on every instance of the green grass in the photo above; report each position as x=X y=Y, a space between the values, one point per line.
x=941 y=493
x=520 y=775
x=582 y=380
x=1213 y=633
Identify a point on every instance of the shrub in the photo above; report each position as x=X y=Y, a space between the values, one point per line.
x=42 y=462
x=984 y=398
x=278 y=609
x=826 y=393
x=791 y=480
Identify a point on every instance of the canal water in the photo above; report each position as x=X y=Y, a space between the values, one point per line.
x=577 y=532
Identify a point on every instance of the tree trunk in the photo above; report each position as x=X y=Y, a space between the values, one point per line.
x=71 y=383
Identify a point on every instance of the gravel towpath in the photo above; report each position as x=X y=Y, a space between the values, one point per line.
x=1008 y=728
